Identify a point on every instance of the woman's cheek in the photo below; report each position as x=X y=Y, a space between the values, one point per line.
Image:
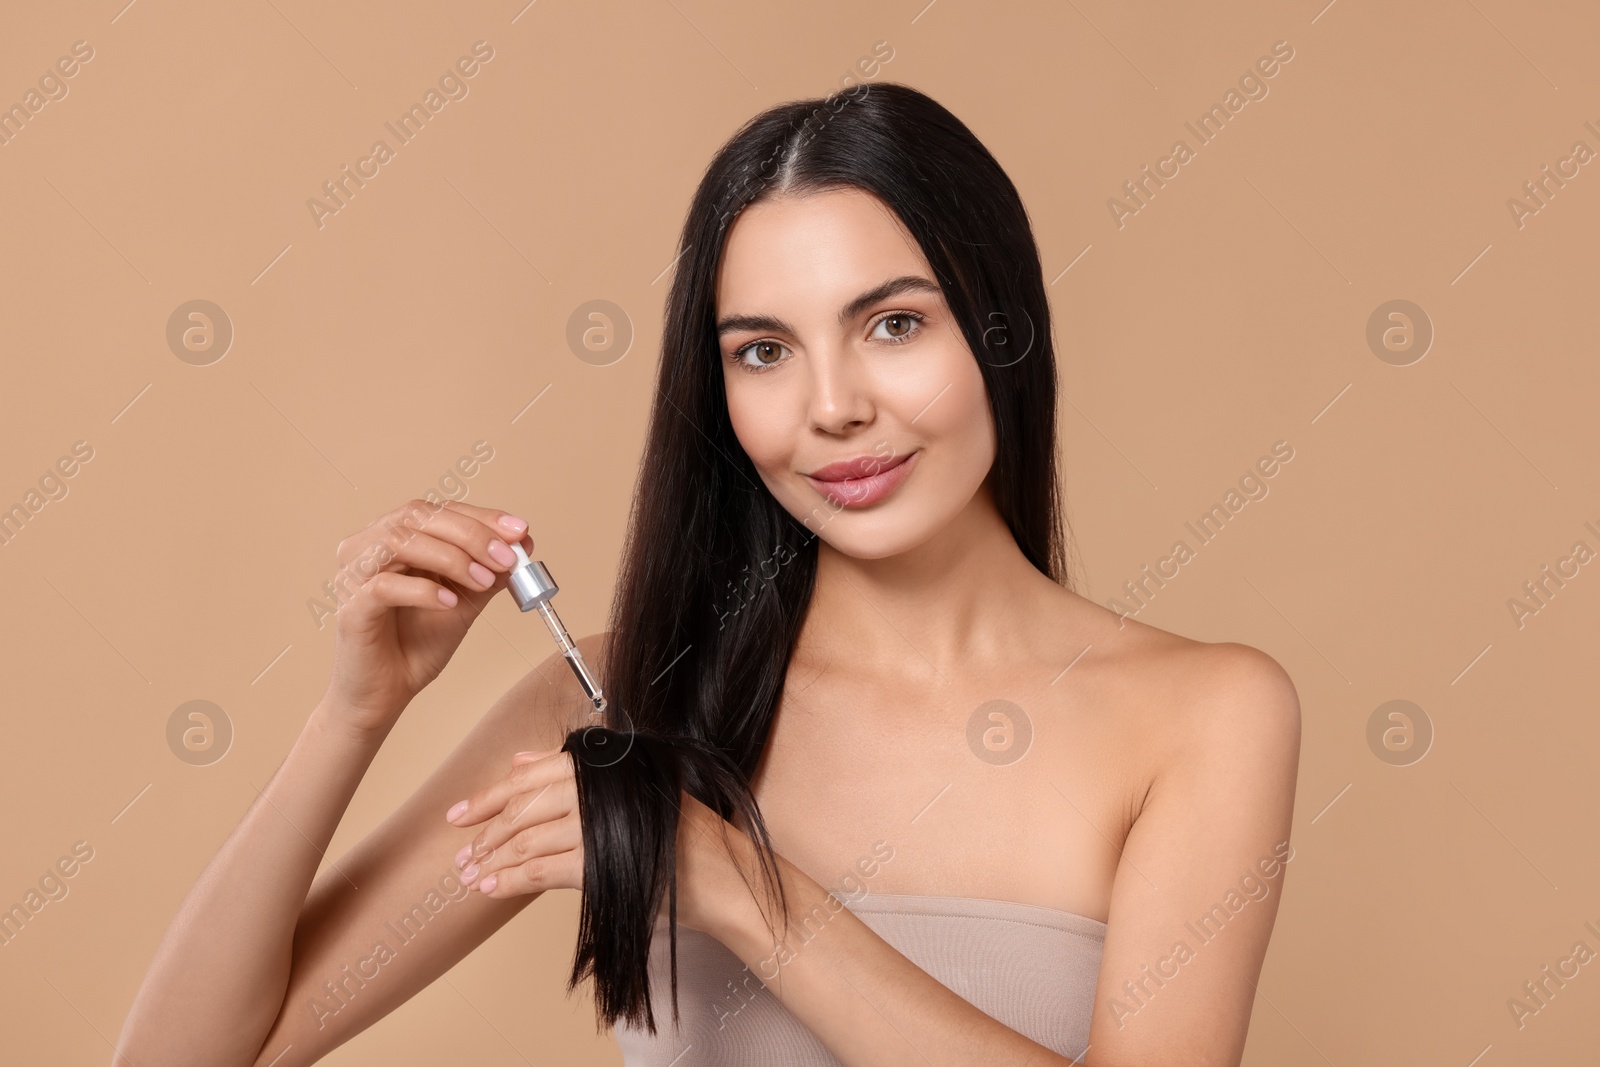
x=745 y=421
x=948 y=396
x=963 y=423
x=760 y=435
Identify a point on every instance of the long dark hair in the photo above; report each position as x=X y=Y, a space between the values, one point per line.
x=716 y=576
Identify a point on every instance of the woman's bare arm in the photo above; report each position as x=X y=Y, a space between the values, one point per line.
x=262 y=966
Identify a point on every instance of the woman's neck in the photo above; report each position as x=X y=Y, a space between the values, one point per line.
x=965 y=595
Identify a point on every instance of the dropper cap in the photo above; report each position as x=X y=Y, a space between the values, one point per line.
x=530 y=583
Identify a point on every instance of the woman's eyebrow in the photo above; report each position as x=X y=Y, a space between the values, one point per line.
x=906 y=283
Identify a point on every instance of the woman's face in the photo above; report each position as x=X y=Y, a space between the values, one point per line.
x=837 y=346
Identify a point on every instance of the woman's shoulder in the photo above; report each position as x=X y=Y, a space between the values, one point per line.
x=1190 y=692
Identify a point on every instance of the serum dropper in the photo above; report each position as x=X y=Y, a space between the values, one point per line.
x=532 y=587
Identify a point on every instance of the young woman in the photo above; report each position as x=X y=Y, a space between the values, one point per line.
x=844 y=655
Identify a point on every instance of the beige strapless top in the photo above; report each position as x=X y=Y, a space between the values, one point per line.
x=1030 y=967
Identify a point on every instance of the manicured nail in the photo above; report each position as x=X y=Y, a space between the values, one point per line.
x=469 y=874
x=487 y=885
x=514 y=524
x=456 y=812
x=461 y=857
x=481 y=574
x=447 y=597
x=501 y=553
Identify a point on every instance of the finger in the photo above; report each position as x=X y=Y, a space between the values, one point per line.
x=391 y=589
x=503 y=523
x=544 y=804
x=561 y=871
x=491 y=799
x=473 y=600
x=505 y=528
x=485 y=542
x=464 y=857
x=467 y=520
x=425 y=552
x=547 y=837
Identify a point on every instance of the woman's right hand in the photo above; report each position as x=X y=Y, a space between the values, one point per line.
x=410 y=585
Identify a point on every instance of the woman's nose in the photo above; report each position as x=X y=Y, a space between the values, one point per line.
x=840 y=391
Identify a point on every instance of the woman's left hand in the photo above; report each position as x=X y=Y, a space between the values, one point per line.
x=532 y=841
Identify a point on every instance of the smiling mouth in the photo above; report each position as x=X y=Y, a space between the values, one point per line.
x=859 y=492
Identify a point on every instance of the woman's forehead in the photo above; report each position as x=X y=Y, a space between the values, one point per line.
x=822 y=247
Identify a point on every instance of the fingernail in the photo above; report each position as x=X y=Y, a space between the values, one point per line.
x=481 y=574
x=487 y=885
x=514 y=524
x=456 y=812
x=461 y=857
x=501 y=553
x=447 y=597
x=469 y=874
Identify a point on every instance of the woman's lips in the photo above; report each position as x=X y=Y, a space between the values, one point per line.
x=859 y=492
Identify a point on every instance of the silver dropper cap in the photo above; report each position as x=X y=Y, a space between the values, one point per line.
x=530 y=583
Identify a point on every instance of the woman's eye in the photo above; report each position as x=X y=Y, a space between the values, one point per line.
x=898 y=327
x=901 y=326
x=767 y=354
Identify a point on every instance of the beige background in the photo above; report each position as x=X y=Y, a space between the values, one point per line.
x=1228 y=314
